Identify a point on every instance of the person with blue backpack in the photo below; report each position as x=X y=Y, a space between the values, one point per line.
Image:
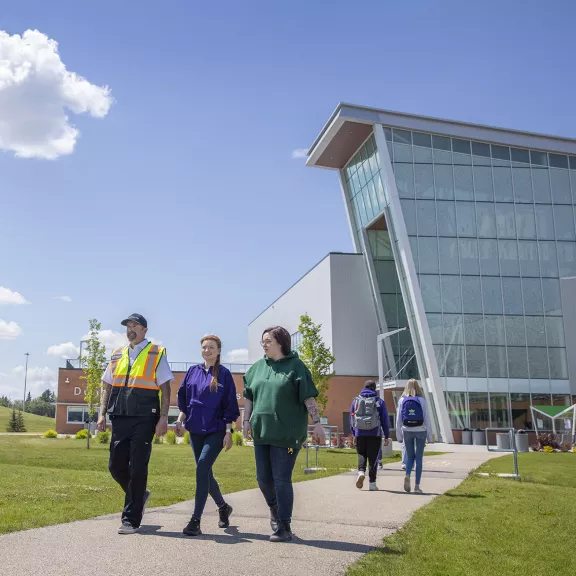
x=413 y=428
x=369 y=422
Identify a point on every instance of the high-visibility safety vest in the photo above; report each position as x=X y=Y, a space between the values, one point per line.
x=142 y=373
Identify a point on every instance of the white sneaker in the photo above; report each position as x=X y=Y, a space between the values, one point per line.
x=373 y=487
x=407 y=484
x=403 y=466
x=127 y=528
x=418 y=491
x=360 y=480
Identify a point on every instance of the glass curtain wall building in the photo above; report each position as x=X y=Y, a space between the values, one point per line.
x=467 y=232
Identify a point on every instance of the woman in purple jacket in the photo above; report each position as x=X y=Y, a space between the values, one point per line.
x=208 y=407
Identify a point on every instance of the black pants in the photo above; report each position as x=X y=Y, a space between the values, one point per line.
x=368 y=448
x=130 y=449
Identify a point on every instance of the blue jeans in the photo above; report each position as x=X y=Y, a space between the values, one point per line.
x=206 y=448
x=274 y=468
x=414 y=442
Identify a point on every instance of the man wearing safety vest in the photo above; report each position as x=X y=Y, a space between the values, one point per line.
x=136 y=378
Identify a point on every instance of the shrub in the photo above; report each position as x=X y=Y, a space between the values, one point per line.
x=157 y=439
x=565 y=447
x=104 y=437
x=170 y=437
x=548 y=439
x=50 y=434
x=81 y=434
x=535 y=447
x=237 y=438
x=186 y=438
x=548 y=449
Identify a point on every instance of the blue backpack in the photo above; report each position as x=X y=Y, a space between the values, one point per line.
x=412 y=412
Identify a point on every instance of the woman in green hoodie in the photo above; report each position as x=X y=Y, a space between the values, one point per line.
x=279 y=395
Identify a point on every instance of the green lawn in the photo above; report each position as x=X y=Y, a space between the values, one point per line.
x=33 y=423
x=45 y=482
x=490 y=525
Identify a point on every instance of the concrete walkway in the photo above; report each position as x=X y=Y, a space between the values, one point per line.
x=334 y=522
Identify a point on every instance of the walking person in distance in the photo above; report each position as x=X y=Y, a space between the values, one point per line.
x=413 y=427
x=369 y=422
x=208 y=408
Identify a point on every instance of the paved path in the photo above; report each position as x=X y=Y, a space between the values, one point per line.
x=335 y=525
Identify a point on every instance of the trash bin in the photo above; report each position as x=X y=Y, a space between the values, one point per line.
x=479 y=438
x=503 y=441
x=467 y=437
x=522 y=441
x=386 y=450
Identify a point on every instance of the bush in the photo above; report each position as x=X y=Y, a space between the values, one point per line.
x=548 y=449
x=50 y=434
x=170 y=437
x=237 y=438
x=157 y=439
x=548 y=439
x=104 y=437
x=186 y=438
x=81 y=434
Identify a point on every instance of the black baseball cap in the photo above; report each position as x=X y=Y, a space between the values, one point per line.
x=136 y=318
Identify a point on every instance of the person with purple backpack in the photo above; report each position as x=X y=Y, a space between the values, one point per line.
x=413 y=428
x=368 y=422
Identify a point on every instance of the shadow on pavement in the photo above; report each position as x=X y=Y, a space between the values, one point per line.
x=233 y=536
x=403 y=493
x=464 y=495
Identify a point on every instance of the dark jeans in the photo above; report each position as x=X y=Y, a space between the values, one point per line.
x=206 y=448
x=130 y=449
x=368 y=448
x=274 y=467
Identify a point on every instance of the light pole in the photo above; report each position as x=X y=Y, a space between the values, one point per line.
x=25 y=381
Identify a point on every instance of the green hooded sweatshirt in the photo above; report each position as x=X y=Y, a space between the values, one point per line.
x=277 y=390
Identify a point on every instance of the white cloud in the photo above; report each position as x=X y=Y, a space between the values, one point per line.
x=65 y=350
x=9 y=330
x=8 y=296
x=110 y=339
x=36 y=91
x=238 y=356
x=299 y=153
x=39 y=378
x=63 y=298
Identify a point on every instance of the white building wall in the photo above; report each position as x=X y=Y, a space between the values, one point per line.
x=354 y=320
x=311 y=295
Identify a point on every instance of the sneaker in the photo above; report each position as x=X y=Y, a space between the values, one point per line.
x=127 y=528
x=360 y=480
x=418 y=491
x=224 y=514
x=407 y=484
x=403 y=466
x=193 y=528
x=373 y=487
x=274 y=518
x=283 y=534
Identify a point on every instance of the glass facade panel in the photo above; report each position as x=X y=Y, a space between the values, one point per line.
x=522 y=178
x=451 y=295
x=555 y=331
x=538 y=363
x=535 y=332
x=409 y=213
x=494 y=329
x=528 y=256
x=545 y=222
x=505 y=221
x=424 y=179
x=551 y=292
x=428 y=255
x=457 y=404
x=517 y=362
x=446 y=213
x=489 y=262
x=532 y=292
x=564 y=223
x=444 y=178
x=474 y=329
x=430 y=288
x=404 y=176
x=520 y=408
x=465 y=218
x=471 y=295
x=558 y=363
x=499 y=410
x=469 y=263
x=497 y=363
x=566 y=259
x=515 y=330
x=448 y=252
x=512 y=292
x=503 y=190
x=483 y=184
x=486 y=220
x=560 y=183
x=476 y=362
x=548 y=259
x=479 y=410
x=436 y=328
x=463 y=182
x=492 y=295
x=453 y=329
x=541 y=185
x=455 y=363
x=426 y=217
x=508 y=251
x=525 y=221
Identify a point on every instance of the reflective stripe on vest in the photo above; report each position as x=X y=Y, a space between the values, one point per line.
x=142 y=373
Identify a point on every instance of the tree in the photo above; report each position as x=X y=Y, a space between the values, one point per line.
x=317 y=357
x=28 y=398
x=47 y=395
x=5 y=401
x=16 y=422
x=93 y=365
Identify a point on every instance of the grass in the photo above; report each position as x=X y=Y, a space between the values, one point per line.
x=490 y=525
x=44 y=482
x=33 y=423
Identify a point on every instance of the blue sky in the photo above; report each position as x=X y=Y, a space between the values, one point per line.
x=183 y=201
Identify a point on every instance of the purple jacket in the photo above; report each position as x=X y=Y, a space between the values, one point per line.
x=206 y=411
x=382 y=411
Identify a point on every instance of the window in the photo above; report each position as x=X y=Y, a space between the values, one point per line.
x=520 y=405
x=479 y=411
x=499 y=410
x=446 y=218
x=457 y=409
x=296 y=339
x=486 y=219
x=469 y=256
x=78 y=414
